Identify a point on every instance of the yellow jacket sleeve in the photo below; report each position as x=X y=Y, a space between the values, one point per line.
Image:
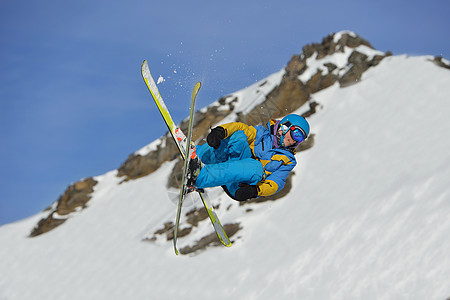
x=267 y=188
x=231 y=128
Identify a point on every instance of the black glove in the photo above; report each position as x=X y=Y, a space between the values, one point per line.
x=215 y=136
x=246 y=191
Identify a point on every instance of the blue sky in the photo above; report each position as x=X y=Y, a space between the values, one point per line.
x=72 y=101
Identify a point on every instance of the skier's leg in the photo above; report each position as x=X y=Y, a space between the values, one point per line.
x=208 y=155
x=234 y=147
x=237 y=146
x=246 y=170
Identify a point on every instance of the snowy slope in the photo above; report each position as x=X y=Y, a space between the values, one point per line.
x=368 y=216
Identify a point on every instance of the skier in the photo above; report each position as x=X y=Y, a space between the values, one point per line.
x=248 y=161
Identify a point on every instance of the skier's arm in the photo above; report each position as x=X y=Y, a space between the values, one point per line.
x=275 y=182
x=267 y=187
x=231 y=128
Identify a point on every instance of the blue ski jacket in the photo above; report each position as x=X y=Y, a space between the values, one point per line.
x=277 y=162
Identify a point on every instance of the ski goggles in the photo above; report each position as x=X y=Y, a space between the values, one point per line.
x=297 y=133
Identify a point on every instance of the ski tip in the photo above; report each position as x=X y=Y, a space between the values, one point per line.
x=195 y=90
x=225 y=240
x=144 y=63
x=175 y=245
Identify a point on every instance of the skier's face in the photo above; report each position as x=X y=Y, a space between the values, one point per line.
x=288 y=140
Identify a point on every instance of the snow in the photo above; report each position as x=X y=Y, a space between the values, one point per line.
x=161 y=79
x=367 y=217
x=150 y=147
x=338 y=35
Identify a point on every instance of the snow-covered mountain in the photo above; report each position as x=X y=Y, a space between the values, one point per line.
x=365 y=216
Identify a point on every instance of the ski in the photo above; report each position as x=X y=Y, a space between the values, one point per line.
x=180 y=141
x=190 y=149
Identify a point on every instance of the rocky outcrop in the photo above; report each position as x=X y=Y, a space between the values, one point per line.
x=359 y=64
x=319 y=81
x=137 y=166
x=292 y=93
x=441 y=63
x=211 y=239
x=74 y=199
x=194 y=217
x=330 y=46
x=285 y=98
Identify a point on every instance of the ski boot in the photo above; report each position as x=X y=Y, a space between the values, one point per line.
x=194 y=167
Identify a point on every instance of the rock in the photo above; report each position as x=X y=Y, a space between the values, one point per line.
x=439 y=62
x=319 y=82
x=45 y=225
x=359 y=64
x=74 y=198
x=137 y=166
x=211 y=239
